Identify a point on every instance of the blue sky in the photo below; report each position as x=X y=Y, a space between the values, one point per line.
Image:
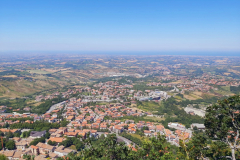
x=123 y=25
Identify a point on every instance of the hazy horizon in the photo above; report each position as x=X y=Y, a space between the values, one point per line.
x=117 y=53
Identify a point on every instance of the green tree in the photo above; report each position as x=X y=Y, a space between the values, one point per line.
x=3 y=157
x=9 y=135
x=79 y=146
x=16 y=134
x=196 y=148
x=108 y=149
x=37 y=140
x=219 y=150
x=28 y=157
x=47 y=135
x=10 y=145
x=155 y=148
x=52 y=143
x=223 y=122
x=49 y=142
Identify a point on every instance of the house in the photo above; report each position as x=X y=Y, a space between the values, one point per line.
x=34 y=150
x=82 y=134
x=70 y=118
x=45 y=148
x=17 y=155
x=36 y=134
x=152 y=128
x=40 y=157
x=64 y=129
x=5 y=130
x=8 y=154
x=53 y=155
x=160 y=129
x=56 y=139
x=93 y=133
x=70 y=134
x=139 y=126
x=95 y=125
x=16 y=139
x=118 y=129
x=103 y=126
x=199 y=126
x=21 y=145
x=62 y=151
x=52 y=131
x=147 y=133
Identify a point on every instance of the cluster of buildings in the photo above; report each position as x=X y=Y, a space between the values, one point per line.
x=54 y=95
x=41 y=151
x=90 y=120
x=204 y=83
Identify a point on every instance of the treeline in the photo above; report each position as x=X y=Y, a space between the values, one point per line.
x=12 y=72
x=22 y=119
x=37 y=126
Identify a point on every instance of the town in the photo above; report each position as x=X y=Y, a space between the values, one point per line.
x=85 y=118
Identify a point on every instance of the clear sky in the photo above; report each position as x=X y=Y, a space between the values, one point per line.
x=120 y=25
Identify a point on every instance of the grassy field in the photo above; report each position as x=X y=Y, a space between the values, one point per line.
x=178 y=98
x=224 y=90
x=136 y=135
x=154 y=118
x=19 y=88
x=38 y=71
x=192 y=96
x=10 y=76
x=148 y=106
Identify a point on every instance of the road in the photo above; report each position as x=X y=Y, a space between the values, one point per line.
x=125 y=140
x=54 y=106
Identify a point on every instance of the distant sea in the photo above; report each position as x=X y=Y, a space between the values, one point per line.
x=176 y=53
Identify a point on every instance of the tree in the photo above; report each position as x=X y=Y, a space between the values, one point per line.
x=28 y=157
x=16 y=134
x=49 y=142
x=196 y=148
x=155 y=148
x=37 y=140
x=3 y=157
x=1 y=133
x=79 y=146
x=108 y=149
x=218 y=150
x=223 y=122
x=10 y=145
x=52 y=143
x=9 y=135
x=47 y=135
